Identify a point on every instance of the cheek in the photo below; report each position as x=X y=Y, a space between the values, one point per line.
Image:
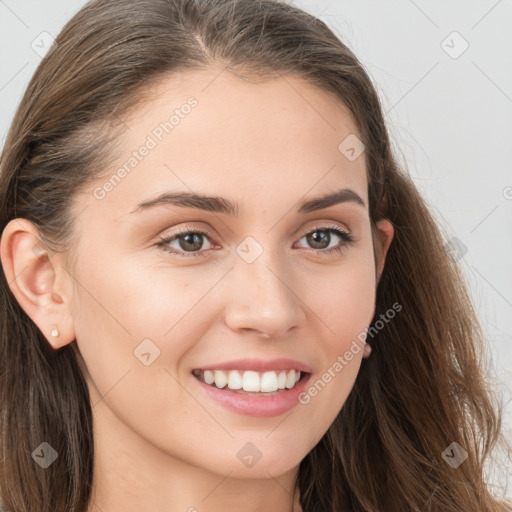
x=346 y=308
x=133 y=322
x=355 y=300
x=343 y=299
x=132 y=334
x=125 y=301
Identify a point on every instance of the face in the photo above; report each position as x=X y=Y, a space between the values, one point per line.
x=244 y=288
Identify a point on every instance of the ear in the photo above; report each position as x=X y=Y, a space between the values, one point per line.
x=383 y=236
x=42 y=287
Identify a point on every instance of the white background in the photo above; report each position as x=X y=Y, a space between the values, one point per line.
x=450 y=117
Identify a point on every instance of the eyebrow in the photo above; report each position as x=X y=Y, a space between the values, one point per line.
x=221 y=205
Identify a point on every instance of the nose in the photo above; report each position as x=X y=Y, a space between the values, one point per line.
x=262 y=299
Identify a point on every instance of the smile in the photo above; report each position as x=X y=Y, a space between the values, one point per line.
x=250 y=381
x=252 y=386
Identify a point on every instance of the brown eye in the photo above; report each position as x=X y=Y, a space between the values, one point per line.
x=320 y=238
x=188 y=241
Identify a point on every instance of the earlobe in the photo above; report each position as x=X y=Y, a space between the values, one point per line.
x=385 y=233
x=32 y=278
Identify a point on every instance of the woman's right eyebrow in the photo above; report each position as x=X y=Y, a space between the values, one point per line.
x=222 y=205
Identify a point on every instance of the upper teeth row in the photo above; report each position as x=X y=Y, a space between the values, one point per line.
x=252 y=381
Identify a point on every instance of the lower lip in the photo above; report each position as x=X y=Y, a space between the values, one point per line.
x=259 y=406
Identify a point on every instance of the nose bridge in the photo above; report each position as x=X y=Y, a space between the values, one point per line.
x=262 y=296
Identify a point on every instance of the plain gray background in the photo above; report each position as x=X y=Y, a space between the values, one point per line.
x=444 y=73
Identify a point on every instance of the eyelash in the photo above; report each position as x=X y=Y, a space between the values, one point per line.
x=346 y=237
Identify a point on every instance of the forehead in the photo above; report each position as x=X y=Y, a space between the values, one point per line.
x=211 y=132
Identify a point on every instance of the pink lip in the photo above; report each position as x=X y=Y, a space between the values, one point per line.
x=259 y=365
x=259 y=406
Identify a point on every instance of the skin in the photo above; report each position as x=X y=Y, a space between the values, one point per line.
x=160 y=443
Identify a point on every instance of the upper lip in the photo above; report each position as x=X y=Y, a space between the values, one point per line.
x=259 y=365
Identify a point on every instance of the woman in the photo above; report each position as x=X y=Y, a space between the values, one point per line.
x=219 y=290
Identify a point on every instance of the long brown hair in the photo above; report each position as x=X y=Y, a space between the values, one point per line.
x=423 y=387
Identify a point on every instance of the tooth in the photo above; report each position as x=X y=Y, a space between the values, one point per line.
x=234 y=380
x=220 y=379
x=290 y=379
x=251 y=381
x=281 y=381
x=269 y=382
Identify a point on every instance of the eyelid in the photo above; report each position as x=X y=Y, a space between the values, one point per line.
x=319 y=225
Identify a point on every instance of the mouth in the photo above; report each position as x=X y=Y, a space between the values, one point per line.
x=250 y=382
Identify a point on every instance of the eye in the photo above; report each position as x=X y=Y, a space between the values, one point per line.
x=191 y=241
x=320 y=239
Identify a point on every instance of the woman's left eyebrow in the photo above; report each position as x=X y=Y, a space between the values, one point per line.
x=222 y=205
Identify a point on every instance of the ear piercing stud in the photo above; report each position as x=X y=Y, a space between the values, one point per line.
x=55 y=332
